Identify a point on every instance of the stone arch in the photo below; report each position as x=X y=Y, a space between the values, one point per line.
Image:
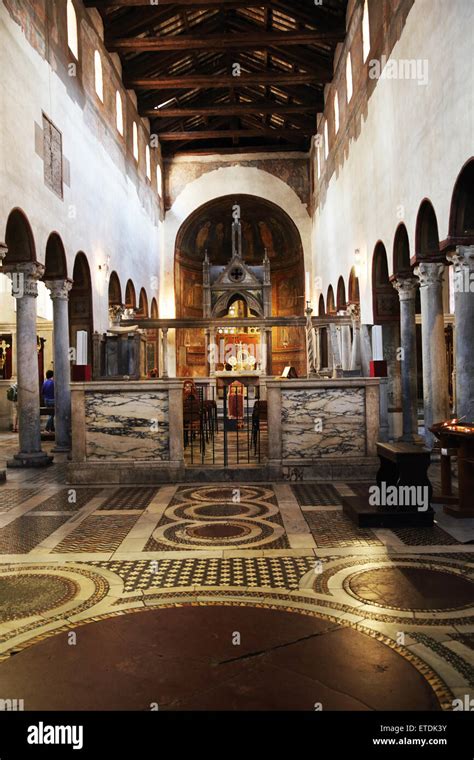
x=354 y=292
x=461 y=218
x=55 y=259
x=115 y=290
x=225 y=301
x=321 y=307
x=80 y=303
x=401 y=251
x=426 y=234
x=143 y=304
x=386 y=305
x=19 y=239
x=330 y=302
x=341 y=303
x=130 y=295
x=154 y=309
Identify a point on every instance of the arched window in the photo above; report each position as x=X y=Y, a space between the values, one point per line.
x=99 y=81
x=350 y=85
x=326 y=141
x=366 y=31
x=336 y=113
x=119 y=112
x=72 y=33
x=159 y=180
x=135 y=141
x=148 y=162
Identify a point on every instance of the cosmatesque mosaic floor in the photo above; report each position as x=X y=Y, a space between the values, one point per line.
x=226 y=597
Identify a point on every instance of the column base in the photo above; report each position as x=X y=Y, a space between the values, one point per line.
x=38 y=459
x=61 y=449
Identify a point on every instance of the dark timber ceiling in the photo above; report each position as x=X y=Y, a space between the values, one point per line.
x=181 y=59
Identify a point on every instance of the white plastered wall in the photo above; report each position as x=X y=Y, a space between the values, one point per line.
x=412 y=145
x=105 y=211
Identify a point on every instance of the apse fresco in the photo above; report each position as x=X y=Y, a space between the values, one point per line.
x=264 y=226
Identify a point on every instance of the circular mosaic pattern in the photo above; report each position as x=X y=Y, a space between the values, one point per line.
x=220 y=493
x=219 y=530
x=308 y=660
x=412 y=588
x=212 y=534
x=221 y=511
x=32 y=594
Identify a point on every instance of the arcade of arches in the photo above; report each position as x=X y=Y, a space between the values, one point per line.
x=257 y=303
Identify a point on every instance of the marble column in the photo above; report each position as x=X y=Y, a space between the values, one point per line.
x=164 y=353
x=317 y=359
x=463 y=262
x=406 y=287
x=435 y=368
x=25 y=290
x=354 y=312
x=268 y=351
x=3 y=253
x=346 y=347
x=213 y=352
x=59 y=291
x=263 y=352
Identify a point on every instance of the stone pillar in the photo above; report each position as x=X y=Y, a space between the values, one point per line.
x=463 y=262
x=317 y=359
x=213 y=351
x=164 y=353
x=268 y=347
x=346 y=346
x=263 y=352
x=406 y=287
x=25 y=290
x=435 y=368
x=354 y=311
x=3 y=253
x=365 y=349
x=59 y=290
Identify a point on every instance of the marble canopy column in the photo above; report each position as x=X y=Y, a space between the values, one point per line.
x=406 y=287
x=435 y=368
x=213 y=351
x=346 y=347
x=463 y=262
x=59 y=291
x=3 y=253
x=354 y=312
x=25 y=278
x=164 y=353
x=268 y=346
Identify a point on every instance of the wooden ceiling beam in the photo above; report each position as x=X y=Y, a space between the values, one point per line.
x=266 y=107
x=222 y=80
x=187 y=4
x=219 y=41
x=216 y=134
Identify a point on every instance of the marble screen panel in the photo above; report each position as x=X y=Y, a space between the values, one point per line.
x=323 y=422
x=127 y=425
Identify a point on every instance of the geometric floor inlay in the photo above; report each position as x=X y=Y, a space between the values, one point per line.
x=67 y=500
x=412 y=588
x=273 y=572
x=316 y=495
x=24 y=595
x=216 y=658
x=97 y=534
x=24 y=533
x=129 y=498
x=335 y=529
x=11 y=498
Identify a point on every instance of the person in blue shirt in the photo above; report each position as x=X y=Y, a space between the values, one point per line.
x=48 y=396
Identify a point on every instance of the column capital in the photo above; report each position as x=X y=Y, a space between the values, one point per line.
x=429 y=273
x=406 y=287
x=462 y=257
x=59 y=289
x=353 y=310
x=25 y=276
